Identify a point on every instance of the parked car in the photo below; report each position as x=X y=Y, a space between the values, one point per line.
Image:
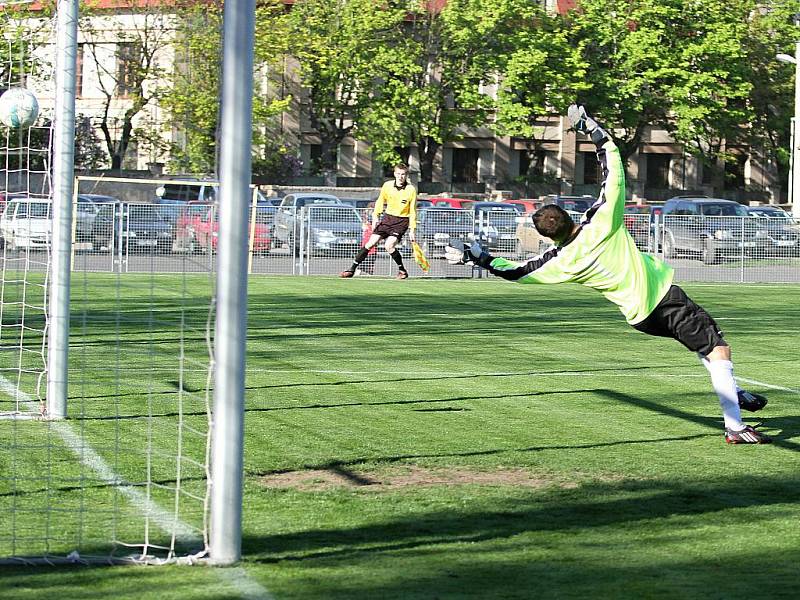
x=88 y=205
x=525 y=205
x=287 y=223
x=496 y=225
x=710 y=228
x=460 y=203
x=187 y=220
x=27 y=223
x=578 y=204
x=636 y=218
x=333 y=229
x=205 y=229
x=130 y=227
x=437 y=225
x=782 y=230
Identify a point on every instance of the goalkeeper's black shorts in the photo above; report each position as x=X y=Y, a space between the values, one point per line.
x=678 y=317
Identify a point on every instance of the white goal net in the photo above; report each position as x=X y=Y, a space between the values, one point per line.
x=125 y=477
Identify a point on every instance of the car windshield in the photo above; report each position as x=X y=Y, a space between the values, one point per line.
x=771 y=213
x=497 y=215
x=309 y=201
x=723 y=210
x=335 y=214
x=638 y=209
x=447 y=217
x=576 y=205
x=265 y=215
x=144 y=213
x=39 y=210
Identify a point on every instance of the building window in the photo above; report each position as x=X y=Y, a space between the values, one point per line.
x=734 y=172
x=465 y=165
x=592 y=171
x=658 y=170
x=536 y=158
x=79 y=72
x=316 y=160
x=128 y=65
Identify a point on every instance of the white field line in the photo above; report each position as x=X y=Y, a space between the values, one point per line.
x=768 y=385
x=94 y=461
x=406 y=372
x=237 y=577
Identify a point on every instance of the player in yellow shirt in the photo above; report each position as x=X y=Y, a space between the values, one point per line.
x=399 y=199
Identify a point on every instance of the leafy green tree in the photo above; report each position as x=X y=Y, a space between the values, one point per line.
x=191 y=95
x=704 y=70
x=772 y=30
x=540 y=73
x=437 y=89
x=347 y=51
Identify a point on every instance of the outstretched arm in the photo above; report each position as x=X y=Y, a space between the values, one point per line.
x=457 y=253
x=608 y=209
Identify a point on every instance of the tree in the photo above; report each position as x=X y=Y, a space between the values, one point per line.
x=540 y=73
x=192 y=90
x=89 y=153
x=696 y=69
x=437 y=89
x=772 y=30
x=128 y=49
x=347 y=51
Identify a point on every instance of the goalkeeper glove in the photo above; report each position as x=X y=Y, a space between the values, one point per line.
x=457 y=253
x=583 y=123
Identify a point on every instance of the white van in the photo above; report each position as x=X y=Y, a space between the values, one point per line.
x=27 y=223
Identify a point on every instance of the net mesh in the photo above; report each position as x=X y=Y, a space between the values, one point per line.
x=125 y=477
x=24 y=197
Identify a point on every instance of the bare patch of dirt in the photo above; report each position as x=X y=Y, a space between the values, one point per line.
x=406 y=476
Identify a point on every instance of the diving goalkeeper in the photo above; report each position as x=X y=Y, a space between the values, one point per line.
x=600 y=253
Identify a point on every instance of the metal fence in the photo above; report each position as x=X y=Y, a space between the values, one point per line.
x=322 y=239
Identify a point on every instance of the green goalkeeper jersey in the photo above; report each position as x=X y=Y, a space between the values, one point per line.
x=602 y=255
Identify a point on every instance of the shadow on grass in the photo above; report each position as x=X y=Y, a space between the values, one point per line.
x=318 y=406
x=595 y=540
x=788 y=427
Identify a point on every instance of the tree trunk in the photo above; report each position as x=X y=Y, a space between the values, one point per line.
x=427 y=148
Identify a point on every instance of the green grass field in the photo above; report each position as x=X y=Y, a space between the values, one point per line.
x=435 y=439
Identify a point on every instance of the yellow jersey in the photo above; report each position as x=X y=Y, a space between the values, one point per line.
x=398 y=202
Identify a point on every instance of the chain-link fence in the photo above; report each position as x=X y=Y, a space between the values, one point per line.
x=321 y=236
x=727 y=248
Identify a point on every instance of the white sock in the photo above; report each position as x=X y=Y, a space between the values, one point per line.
x=724 y=384
x=705 y=362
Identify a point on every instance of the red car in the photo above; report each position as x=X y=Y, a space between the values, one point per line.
x=197 y=229
x=525 y=205
x=188 y=219
x=637 y=220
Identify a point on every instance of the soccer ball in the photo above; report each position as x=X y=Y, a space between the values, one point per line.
x=18 y=108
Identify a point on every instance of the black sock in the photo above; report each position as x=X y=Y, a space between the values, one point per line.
x=362 y=254
x=398 y=258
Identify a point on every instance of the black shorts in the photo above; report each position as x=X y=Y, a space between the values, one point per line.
x=678 y=317
x=391 y=225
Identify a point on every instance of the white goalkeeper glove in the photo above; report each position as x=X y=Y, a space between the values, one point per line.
x=457 y=253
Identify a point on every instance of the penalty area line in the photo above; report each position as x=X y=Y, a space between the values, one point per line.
x=236 y=577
